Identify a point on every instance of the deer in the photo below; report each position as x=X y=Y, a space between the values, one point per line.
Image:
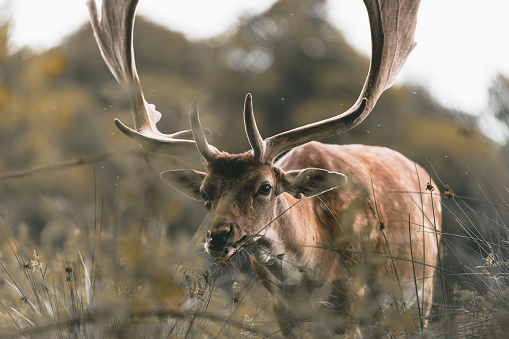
x=325 y=226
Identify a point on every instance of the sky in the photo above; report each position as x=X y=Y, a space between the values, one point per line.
x=462 y=44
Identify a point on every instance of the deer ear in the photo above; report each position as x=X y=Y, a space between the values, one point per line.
x=310 y=182
x=185 y=181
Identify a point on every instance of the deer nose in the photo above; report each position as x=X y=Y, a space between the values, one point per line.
x=219 y=238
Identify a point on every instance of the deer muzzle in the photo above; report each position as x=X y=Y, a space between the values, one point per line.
x=219 y=238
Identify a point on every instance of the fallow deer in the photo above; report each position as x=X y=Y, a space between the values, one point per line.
x=308 y=230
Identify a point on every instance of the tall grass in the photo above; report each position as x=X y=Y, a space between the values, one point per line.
x=133 y=284
x=474 y=299
x=108 y=280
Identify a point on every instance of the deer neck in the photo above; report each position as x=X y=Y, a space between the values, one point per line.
x=286 y=247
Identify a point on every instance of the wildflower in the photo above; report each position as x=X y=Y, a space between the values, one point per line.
x=247 y=324
x=36 y=263
x=490 y=260
x=236 y=292
x=448 y=193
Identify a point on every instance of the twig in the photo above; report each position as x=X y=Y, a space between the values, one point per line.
x=65 y=164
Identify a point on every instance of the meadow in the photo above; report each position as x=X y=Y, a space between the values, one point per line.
x=93 y=244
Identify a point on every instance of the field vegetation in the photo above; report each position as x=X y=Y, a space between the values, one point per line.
x=93 y=244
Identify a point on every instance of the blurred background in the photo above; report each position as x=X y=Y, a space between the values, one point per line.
x=63 y=163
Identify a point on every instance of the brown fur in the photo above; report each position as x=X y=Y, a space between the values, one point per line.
x=333 y=245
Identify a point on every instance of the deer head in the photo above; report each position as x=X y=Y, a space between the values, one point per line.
x=243 y=192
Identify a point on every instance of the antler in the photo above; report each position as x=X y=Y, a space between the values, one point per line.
x=207 y=151
x=113 y=30
x=392 y=24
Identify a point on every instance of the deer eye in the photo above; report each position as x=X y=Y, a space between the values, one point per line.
x=264 y=190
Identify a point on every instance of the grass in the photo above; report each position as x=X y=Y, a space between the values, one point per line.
x=105 y=285
x=106 y=281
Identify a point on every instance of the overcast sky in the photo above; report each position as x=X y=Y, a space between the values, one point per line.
x=462 y=44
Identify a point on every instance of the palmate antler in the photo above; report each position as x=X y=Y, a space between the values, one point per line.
x=113 y=29
x=392 y=24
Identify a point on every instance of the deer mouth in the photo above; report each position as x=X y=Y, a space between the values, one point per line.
x=227 y=250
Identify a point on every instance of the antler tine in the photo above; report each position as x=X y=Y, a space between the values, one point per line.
x=253 y=135
x=207 y=151
x=392 y=26
x=113 y=30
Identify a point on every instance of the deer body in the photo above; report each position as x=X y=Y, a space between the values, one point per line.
x=314 y=236
x=310 y=251
x=314 y=270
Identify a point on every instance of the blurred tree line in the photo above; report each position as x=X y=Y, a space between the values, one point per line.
x=59 y=104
